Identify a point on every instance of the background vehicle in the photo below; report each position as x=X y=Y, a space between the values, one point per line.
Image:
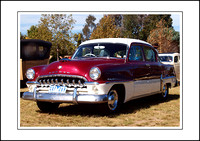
x=33 y=52
x=171 y=59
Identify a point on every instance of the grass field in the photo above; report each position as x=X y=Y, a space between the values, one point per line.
x=145 y=112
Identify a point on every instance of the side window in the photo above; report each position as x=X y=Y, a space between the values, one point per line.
x=176 y=59
x=135 y=53
x=149 y=54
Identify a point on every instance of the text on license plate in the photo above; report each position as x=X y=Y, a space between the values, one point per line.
x=58 y=89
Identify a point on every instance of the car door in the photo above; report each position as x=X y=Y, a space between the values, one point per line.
x=155 y=67
x=139 y=70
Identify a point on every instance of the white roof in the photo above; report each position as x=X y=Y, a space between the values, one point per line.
x=127 y=41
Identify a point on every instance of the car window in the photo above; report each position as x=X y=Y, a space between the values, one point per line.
x=135 y=53
x=176 y=59
x=165 y=58
x=149 y=54
x=101 y=50
x=29 y=50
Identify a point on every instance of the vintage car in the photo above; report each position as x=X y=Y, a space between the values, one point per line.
x=109 y=71
x=33 y=52
x=171 y=59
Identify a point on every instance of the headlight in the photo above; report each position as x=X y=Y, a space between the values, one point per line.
x=95 y=73
x=30 y=73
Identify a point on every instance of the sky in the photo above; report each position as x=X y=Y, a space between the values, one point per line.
x=27 y=20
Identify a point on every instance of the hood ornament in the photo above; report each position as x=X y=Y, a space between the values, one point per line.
x=59 y=67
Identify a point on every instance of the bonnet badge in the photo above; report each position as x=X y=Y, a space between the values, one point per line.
x=59 y=67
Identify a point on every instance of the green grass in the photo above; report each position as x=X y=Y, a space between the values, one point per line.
x=145 y=112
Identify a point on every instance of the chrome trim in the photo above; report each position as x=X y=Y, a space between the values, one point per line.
x=91 y=83
x=47 y=81
x=65 y=98
x=79 y=82
x=169 y=77
x=32 y=82
x=68 y=82
x=34 y=94
x=119 y=81
x=75 y=96
x=56 y=81
x=52 y=81
x=112 y=100
x=61 y=75
x=73 y=82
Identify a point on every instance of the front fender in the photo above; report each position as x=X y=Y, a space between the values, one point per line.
x=115 y=72
x=37 y=70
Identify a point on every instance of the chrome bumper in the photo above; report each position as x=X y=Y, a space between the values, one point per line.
x=65 y=98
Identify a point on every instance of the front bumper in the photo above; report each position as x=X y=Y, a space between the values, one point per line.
x=65 y=98
x=93 y=93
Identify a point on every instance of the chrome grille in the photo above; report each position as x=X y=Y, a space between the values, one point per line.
x=63 y=80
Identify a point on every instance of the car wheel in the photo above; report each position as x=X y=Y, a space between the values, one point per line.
x=165 y=91
x=47 y=106
x=112 y=100
x=115 y=101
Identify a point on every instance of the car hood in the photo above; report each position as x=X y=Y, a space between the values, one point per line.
x=79 y=67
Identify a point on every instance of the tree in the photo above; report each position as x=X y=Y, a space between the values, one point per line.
x=60 y=25
x=89 y=27
x=22 y=36
x=39 y=32
x=131 y=27
x=150 y=23
x=117 y=19
x=165 y=37
x=78 y=38
x=105 y=29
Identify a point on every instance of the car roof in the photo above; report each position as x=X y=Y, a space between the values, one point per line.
x=37 y=41
x=126 y=41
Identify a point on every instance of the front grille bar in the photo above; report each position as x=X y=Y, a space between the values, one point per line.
x=73 y=84
x=76 y=82
x=62 y=75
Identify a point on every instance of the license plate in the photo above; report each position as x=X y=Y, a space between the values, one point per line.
x=57 y=89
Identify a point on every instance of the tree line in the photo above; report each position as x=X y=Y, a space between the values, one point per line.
x=57 y=29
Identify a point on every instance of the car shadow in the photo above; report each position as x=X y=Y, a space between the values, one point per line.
x=95 y=110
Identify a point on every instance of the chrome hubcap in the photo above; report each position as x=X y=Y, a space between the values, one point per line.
x=164 y=91
x=112 y=100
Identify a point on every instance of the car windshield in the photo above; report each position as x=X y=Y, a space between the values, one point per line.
x=101 y=50
x=165 y=58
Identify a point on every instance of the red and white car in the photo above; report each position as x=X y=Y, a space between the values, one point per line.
x=111 y=71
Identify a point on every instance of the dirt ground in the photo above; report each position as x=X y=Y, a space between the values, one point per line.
x=144 y=112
